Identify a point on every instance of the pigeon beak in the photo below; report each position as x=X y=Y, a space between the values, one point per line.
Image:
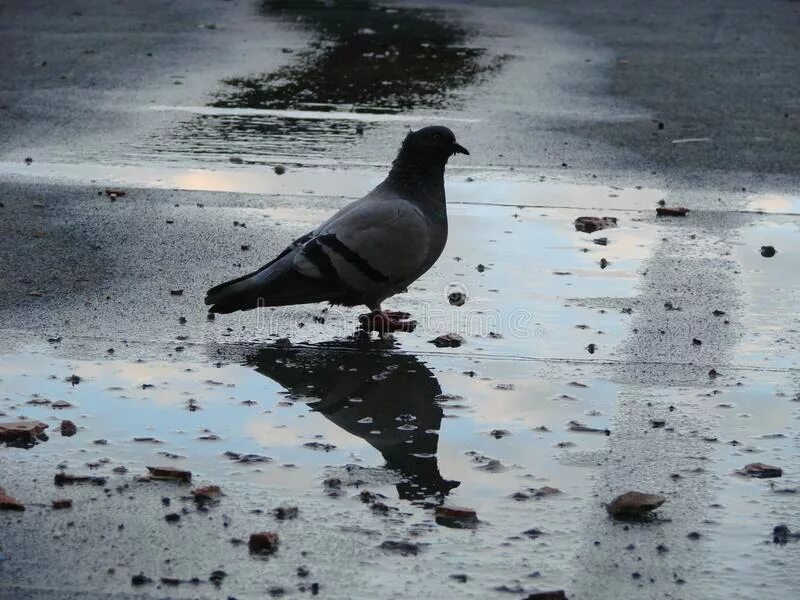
x=459 y=149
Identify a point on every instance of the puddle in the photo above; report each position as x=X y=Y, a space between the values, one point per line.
x=366 y=66
x=416 y=431
x=380 y=59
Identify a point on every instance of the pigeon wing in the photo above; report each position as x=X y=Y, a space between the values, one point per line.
x=371 y=245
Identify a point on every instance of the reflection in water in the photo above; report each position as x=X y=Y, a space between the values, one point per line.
x=386 y=398
x=380 y=59
x=366 y=59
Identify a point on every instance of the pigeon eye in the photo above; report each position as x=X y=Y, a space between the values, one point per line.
x=437 y=136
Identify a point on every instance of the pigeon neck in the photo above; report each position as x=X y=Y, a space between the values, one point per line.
x=418 y=177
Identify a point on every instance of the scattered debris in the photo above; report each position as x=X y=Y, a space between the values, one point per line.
x=551 y=595
x=760 y=471
x=176 y=292
x=140 y=579
x=456 y=517
x=62 y=479
x=601 y=241
x=401 y=547
x=781 y=535
x=114 y=193
x=319 y=446
x=581 y=428
x=170 y=473
x=592 y=224
x=674 y=211
x=499 y=433
x=768 y=251
x=449 y=340
x=457 y=298
x=206 y=494
x=68 y=428
x=634 y=505
x=22 y=433
x=247 y=458
x=62 y=503
x=9 y=503
x=264 y=542
x=285 y=513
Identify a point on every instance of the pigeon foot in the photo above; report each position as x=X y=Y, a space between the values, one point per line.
x=385 y=321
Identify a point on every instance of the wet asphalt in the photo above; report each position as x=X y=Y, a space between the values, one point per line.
x=568 y=110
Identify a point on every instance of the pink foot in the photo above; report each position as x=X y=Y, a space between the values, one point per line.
x=387 y=322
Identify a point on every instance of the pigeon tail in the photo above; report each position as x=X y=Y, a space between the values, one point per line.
x=260 y=289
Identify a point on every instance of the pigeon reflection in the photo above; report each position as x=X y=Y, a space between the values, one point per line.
x=385 y=398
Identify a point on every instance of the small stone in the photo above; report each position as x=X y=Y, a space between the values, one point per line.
x=768 y=251
x=551 y=595
x=21 y=433
x=279 y=169
x=176 y=292
x=8 y=502
x=170 y=473
x=140 y=579
x=283 y=513
x=68 y=428
x=533 y=533
x=457 y=298
x=217 y=577
x=760 y=471
x=579 y=427
x=634 y=505
x=264 y=542
x=61 y=479
x=450 y=340
x=693 y=535
x=674 y=211
x=172 y=517
x=456 y=516
x=401 y=547
x=545 y=491
x=62 y=503
x=592 y=224
x=206 y=494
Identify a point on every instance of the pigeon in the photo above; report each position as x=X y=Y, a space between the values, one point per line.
x=369 y=250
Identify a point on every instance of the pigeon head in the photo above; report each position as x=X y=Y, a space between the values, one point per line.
x=435 y=143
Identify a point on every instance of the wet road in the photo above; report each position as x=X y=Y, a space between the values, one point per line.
x=562 y=118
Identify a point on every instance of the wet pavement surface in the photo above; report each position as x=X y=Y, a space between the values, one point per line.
x=658 y=355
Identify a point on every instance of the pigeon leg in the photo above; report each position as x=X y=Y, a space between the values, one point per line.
x=386 y=321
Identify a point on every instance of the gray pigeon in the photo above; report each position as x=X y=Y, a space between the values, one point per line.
x=369 y=250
